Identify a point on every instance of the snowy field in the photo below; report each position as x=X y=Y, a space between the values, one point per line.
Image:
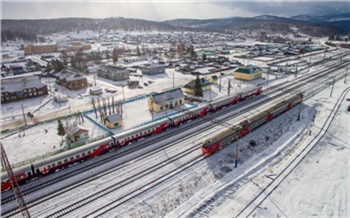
x=24 y=145
x=317 y=187
x=33 y=142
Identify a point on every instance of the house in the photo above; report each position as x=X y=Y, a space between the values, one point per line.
x=16 y=69
x=213 y=79
x=21 y=87
x=189 y=87
x=248 y=73
x=76 y=134
x=95 y=90
x=71 y=80
x=153 y=69
x=166 y=100
x=113 y=121
x=114 y=73
x=35 y=49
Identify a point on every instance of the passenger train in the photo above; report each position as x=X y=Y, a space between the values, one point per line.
x=58 y=162
x=226 y=137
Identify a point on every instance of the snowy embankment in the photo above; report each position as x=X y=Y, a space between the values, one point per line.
x=217 y=189
x=318 y=186
x=177 y=197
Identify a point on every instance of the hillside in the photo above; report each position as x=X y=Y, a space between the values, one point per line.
x=29 y=30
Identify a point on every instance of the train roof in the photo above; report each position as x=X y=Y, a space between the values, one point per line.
x=61 y=156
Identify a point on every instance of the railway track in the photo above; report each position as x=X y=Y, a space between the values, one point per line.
x=134 y=193
x=274 y=184
x=112 y=157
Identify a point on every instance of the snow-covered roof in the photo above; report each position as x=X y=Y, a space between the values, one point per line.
x=204 y=82
x=160 y=98
x=15 y=84
x=113 y=118
x=69 y=75
x=72 y=130
x=95 y=88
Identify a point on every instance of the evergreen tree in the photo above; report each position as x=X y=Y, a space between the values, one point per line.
x=60 y=129
x=64 y=57
x=59 y=65
x=198 y=91
x=204 y=56
x=48 y=67
x=138 y=51
x=115 y=54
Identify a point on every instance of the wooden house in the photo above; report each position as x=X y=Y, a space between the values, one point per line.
x=76 y=134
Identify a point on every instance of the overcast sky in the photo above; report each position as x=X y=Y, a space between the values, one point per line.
x=161 y=10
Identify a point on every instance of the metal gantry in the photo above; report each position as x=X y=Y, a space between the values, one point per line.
x=6 y=166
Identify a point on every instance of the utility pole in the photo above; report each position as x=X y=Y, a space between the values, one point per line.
x=220 y=83
x=24 y=116
x=5 y=163
x=332 y=87
x=124 y=99
x=229 y=87
x=173 y=79
x=346 y=73
x=268 y=75
x=300 y=104
x=236 y=161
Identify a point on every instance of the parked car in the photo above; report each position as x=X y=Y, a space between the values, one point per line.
x=145 y=84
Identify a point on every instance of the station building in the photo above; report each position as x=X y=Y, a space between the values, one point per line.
x=166 y=100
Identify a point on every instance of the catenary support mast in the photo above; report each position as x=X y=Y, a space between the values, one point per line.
x=5 y=163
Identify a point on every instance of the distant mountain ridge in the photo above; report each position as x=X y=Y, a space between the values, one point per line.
x=305 y=24
x=341 y=21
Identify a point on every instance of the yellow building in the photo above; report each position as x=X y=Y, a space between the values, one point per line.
x=113 y=121
x=248 y=73
x=189 y=88
x=166 y=100
x=213 y=79
x=34 y=49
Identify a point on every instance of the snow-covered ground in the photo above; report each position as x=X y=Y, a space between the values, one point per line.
x=318 y=187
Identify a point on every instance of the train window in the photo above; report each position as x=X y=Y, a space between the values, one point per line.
x=53 y=165
x=83 y=154
x=49 y=166
x=77 y=156
x=136 y=135
x=59 y=162
x=132 y=137
x=65 y=160
x=89 y=152
x=149 y=130
x=94 y=150
x=72 y=158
